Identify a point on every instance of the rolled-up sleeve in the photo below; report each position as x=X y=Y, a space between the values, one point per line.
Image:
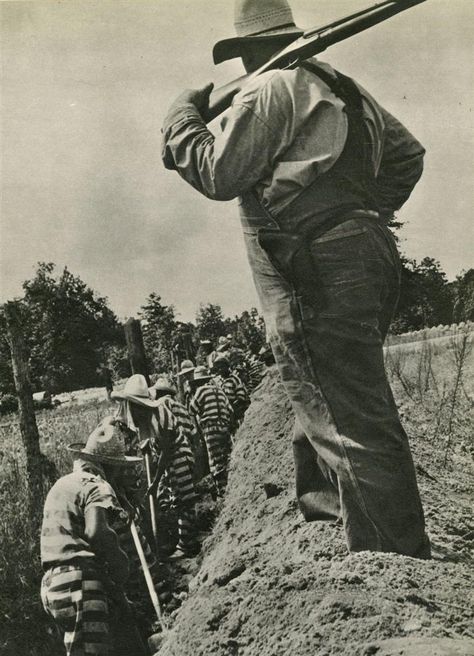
x=224 y=166
x=401 y=165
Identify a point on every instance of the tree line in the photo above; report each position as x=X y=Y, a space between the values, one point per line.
x=72 y=334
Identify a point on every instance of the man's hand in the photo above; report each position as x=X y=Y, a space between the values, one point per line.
x=197 y=97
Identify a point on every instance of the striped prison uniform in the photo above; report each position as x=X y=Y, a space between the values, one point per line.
x=256 y=372
x=236 y=393
x=242 y=399
x=136 y=585
x=76 y=597
x=176 y=489
x=213 y=410
x=73 y=588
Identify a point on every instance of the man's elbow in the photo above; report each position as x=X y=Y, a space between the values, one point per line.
x=219 y=187
x=223 y=194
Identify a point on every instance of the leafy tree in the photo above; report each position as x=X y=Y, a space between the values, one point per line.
x=249 y=330
x=117 y=361
x=463 y=292
x=67 y=328
x=210 y=322
x=425 y=297
x=158 y=327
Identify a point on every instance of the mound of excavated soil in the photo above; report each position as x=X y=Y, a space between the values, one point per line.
x=272 y=585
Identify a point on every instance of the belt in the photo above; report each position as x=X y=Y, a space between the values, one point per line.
x=73 y=563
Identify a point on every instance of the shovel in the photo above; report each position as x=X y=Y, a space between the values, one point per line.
x=155 y=640
x=145 y=448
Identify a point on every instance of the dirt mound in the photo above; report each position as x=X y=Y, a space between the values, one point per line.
x=271 y=584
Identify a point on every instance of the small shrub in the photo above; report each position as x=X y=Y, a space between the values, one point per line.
x=8 y=403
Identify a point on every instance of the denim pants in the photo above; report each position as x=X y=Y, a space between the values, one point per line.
x=326 y=321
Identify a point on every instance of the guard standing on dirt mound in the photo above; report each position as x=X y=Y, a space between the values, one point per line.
x=320 y=168
x=86 y=570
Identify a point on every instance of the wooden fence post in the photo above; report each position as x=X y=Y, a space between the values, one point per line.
x=135 y=348
x=27 y=417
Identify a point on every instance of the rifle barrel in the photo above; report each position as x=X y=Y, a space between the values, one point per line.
x=311 y=43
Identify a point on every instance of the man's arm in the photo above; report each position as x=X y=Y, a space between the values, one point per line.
x=401 y=165
x=231 y=163
x=104 y=542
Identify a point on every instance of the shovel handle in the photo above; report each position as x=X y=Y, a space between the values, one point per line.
x=146 y=571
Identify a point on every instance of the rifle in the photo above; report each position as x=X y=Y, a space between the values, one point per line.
x=311 y=43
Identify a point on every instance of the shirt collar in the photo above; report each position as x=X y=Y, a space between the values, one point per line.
x=89 y=467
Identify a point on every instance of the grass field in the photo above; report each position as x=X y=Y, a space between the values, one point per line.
x=433 y=386
x=22 y=619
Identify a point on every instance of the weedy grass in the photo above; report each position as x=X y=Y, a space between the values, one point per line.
x=24 y=625
x=433 y=385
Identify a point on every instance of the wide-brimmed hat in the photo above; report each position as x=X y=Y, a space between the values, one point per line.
x=163 y=384
x=257 y=21
x=201 y=373
x=186 y=367
x=135 y=391
x=222 y=344
x=105 y=445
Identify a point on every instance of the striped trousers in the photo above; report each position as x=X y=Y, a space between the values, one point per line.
x=218 y=444
x=176 y=490
x=77 y=601
x=177 y=483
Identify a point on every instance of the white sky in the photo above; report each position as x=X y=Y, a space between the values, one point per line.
x=85 y=87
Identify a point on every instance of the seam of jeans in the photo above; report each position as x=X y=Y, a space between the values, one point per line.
x=340 y=436
x=341 y=234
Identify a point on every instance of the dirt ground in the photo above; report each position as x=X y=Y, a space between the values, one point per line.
x=270 y=584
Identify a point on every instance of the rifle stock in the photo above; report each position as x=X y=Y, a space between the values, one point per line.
x=311 y=43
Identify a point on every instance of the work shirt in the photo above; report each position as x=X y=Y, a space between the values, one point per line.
x=234 y=390
x=71 y=497
x=211 y=406
x=284 y=129
x=186 y=428
x=256 y=371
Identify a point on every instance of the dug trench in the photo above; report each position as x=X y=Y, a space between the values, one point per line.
x=269 y=584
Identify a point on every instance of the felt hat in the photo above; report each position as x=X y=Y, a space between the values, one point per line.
x=163 y=384
x=135 y=391
x=201 y=373
x=257 y=21
x=105 y=445
x=223 y=344
x=186 y=367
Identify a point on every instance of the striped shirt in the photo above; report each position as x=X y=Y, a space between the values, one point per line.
x=256 y=371
x=168 y=421
x=63 y=531
x=241 y=393
x=211 y=406
x=234 y=390
x=185 y=424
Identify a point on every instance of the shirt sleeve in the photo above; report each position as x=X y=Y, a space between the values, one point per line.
x=99 y=494
x=225 y=166
x=195 y=406
x=401 y=165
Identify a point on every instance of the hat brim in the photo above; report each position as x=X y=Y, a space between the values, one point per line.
x=231 y=48
x=77 y=449
x=165 y=390
x=204 y=379
x=138 y=400
x=186 y=371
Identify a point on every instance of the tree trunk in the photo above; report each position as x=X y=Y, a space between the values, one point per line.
x=28 y=427
x=136 y=349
